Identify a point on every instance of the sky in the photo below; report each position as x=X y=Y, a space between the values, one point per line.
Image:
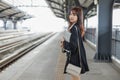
x=116 y=17
x=43 y=21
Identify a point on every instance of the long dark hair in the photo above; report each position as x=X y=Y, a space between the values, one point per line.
x=79 y=12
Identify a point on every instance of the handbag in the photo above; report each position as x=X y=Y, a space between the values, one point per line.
x=71 y=68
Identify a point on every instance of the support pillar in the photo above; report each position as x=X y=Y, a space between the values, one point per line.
x=5 y=21
x=103 y=52
x=14 y=24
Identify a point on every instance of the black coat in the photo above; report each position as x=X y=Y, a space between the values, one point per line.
x=73 y=47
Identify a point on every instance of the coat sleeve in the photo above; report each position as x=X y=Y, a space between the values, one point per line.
x=72 y=45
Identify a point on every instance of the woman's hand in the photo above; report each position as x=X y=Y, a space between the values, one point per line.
x=62 y=42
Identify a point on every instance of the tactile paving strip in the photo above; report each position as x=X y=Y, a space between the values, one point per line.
x=60 y=67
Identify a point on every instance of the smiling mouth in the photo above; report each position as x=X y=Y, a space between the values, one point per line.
x=71 y=19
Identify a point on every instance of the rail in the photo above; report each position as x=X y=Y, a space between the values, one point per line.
x=17 y=42
x=91 y=36
x=23 y=50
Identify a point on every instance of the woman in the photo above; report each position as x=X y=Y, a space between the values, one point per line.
x=76 y=20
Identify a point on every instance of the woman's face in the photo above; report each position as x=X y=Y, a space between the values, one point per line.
x=73 y=17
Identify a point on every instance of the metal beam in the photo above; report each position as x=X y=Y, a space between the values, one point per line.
x=10 y=15
x=117 y=1
x=14 y=14
x=89 y=8
x=56 y=3
x=77 y=2
x=3 y=16
x=21 y=16
x=59 y=13
x=18 y=18
x=93 y=12
x=91 y=15
x=57 y=9
x=116 y=6
x=85 y=1
x=5 y=9
x=61 y=9
x=60 y=16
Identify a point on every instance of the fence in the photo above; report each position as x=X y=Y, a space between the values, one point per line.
x=91 y=36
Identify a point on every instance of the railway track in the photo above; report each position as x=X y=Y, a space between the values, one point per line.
x=6 y=61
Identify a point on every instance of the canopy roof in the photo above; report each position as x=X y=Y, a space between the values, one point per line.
x=10 y=12
x=60 y=9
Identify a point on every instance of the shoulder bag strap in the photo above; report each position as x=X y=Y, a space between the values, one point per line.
x=78 y=46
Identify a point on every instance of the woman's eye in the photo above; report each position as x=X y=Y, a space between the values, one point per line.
x=74 y=14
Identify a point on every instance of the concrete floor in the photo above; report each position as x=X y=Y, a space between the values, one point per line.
x=46 y=62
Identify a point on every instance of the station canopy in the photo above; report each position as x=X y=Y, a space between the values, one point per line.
x=10 y=12
x=61 y=10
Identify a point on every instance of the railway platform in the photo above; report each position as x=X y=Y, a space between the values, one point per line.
x=46 y=62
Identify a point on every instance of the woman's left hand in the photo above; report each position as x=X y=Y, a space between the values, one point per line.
x=62 y=42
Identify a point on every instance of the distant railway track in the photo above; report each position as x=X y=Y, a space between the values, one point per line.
x=25 y=48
